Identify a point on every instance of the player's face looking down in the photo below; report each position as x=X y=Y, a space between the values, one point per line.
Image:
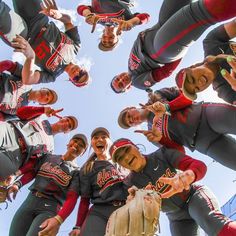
x=65 y=125
x=132 y=117
x=122 y=82
x=198 y=78
x=130 y=158
x=76 y=147
x=78 y=76
x=109 y=37
x=44 y=96
x=100 y=143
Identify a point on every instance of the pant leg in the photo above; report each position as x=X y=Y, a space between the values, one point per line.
x=10 y=24
x=203 y=207
x=96 y=220
x=168 y=8
x=38 y=220
x=221 y=118
x=172 y=40
x=29 y=11
x=22 y=219
x=223 y=151
x=184 y=227
x=10 y=155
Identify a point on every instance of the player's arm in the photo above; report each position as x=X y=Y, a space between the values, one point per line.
x=49 y=8
x=25 y=179
x=31 y=112
x=28 y=73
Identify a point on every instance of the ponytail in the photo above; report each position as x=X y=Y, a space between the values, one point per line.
x=88 y=165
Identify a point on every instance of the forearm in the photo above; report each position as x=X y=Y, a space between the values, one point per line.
x=82 y=211
x=29 y=112
x=66 y=20
x=84 y=10
x=29 y=75
x=179 y=103
x=68 y=205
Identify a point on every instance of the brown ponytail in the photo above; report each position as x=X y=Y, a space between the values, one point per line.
x=88 y=165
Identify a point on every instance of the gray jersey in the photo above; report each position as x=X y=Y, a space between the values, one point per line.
x=37 y=135
x=103 y=184
x=54 y=50
x=218 y=42
x=55 y=177
x=164 y=162
x=13 y=93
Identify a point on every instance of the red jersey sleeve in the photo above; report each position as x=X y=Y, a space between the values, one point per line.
x=69 y=204
x=82 y=211
x=179 y=103
x=81 y=8
x=165 y=71
x=143 y=17
x=198 y=167
x=29 y=112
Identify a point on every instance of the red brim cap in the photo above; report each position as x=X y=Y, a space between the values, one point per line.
x=119 y=144
x=180 y=81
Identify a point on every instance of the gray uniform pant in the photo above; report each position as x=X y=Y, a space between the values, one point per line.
x=202 y=210
x=31 y=214
x=218 y=120
x=11 y=157
x=25 y=21
x=171 y=41
x=96 y=220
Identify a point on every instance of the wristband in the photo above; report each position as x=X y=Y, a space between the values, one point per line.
x=168 y=111
x=76 y=227
x=18 y=184
x=59 y=219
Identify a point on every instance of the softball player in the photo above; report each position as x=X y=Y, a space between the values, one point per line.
x=13 y=94
x=115 y=16
x=53 y=194
x=157 y=51
x=213 y=70
x=201 y=126
x=186 y=204
x=102 y=183
x=54 y=50
x=21 y=139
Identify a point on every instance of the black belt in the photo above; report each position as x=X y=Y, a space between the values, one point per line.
x=40 y=195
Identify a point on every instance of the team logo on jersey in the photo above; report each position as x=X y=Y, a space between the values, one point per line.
x=160 y=187
x=134 y=62
x=108 y=178
x=233 y=48
x=54 y=172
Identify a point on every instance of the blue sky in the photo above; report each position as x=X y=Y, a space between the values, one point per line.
x=97 y=105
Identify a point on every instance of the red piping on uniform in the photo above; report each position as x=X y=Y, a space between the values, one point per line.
x=220 y=105
x=110 y=183
x=177 y=37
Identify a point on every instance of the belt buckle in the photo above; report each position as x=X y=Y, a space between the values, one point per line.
x=117 y=203
x=37 y=194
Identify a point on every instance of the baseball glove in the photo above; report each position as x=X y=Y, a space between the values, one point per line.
x=140 y=216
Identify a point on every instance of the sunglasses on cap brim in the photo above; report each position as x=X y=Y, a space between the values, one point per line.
x=75 y=80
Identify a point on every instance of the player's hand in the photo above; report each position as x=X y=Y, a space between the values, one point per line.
x=153 y=97
x=49 y=8
x=178 y=183
x=216 y=59
x=92 y=19
x=157 y=108
x=230 y=77
x=13 y=190
x=153 y=135
x=75 y=232
x=122 y=25
x=51 y=112
x=132 y=192
x=23 y=46
x=50 y=227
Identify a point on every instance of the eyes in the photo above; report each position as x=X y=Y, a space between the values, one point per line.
x=96 y=137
